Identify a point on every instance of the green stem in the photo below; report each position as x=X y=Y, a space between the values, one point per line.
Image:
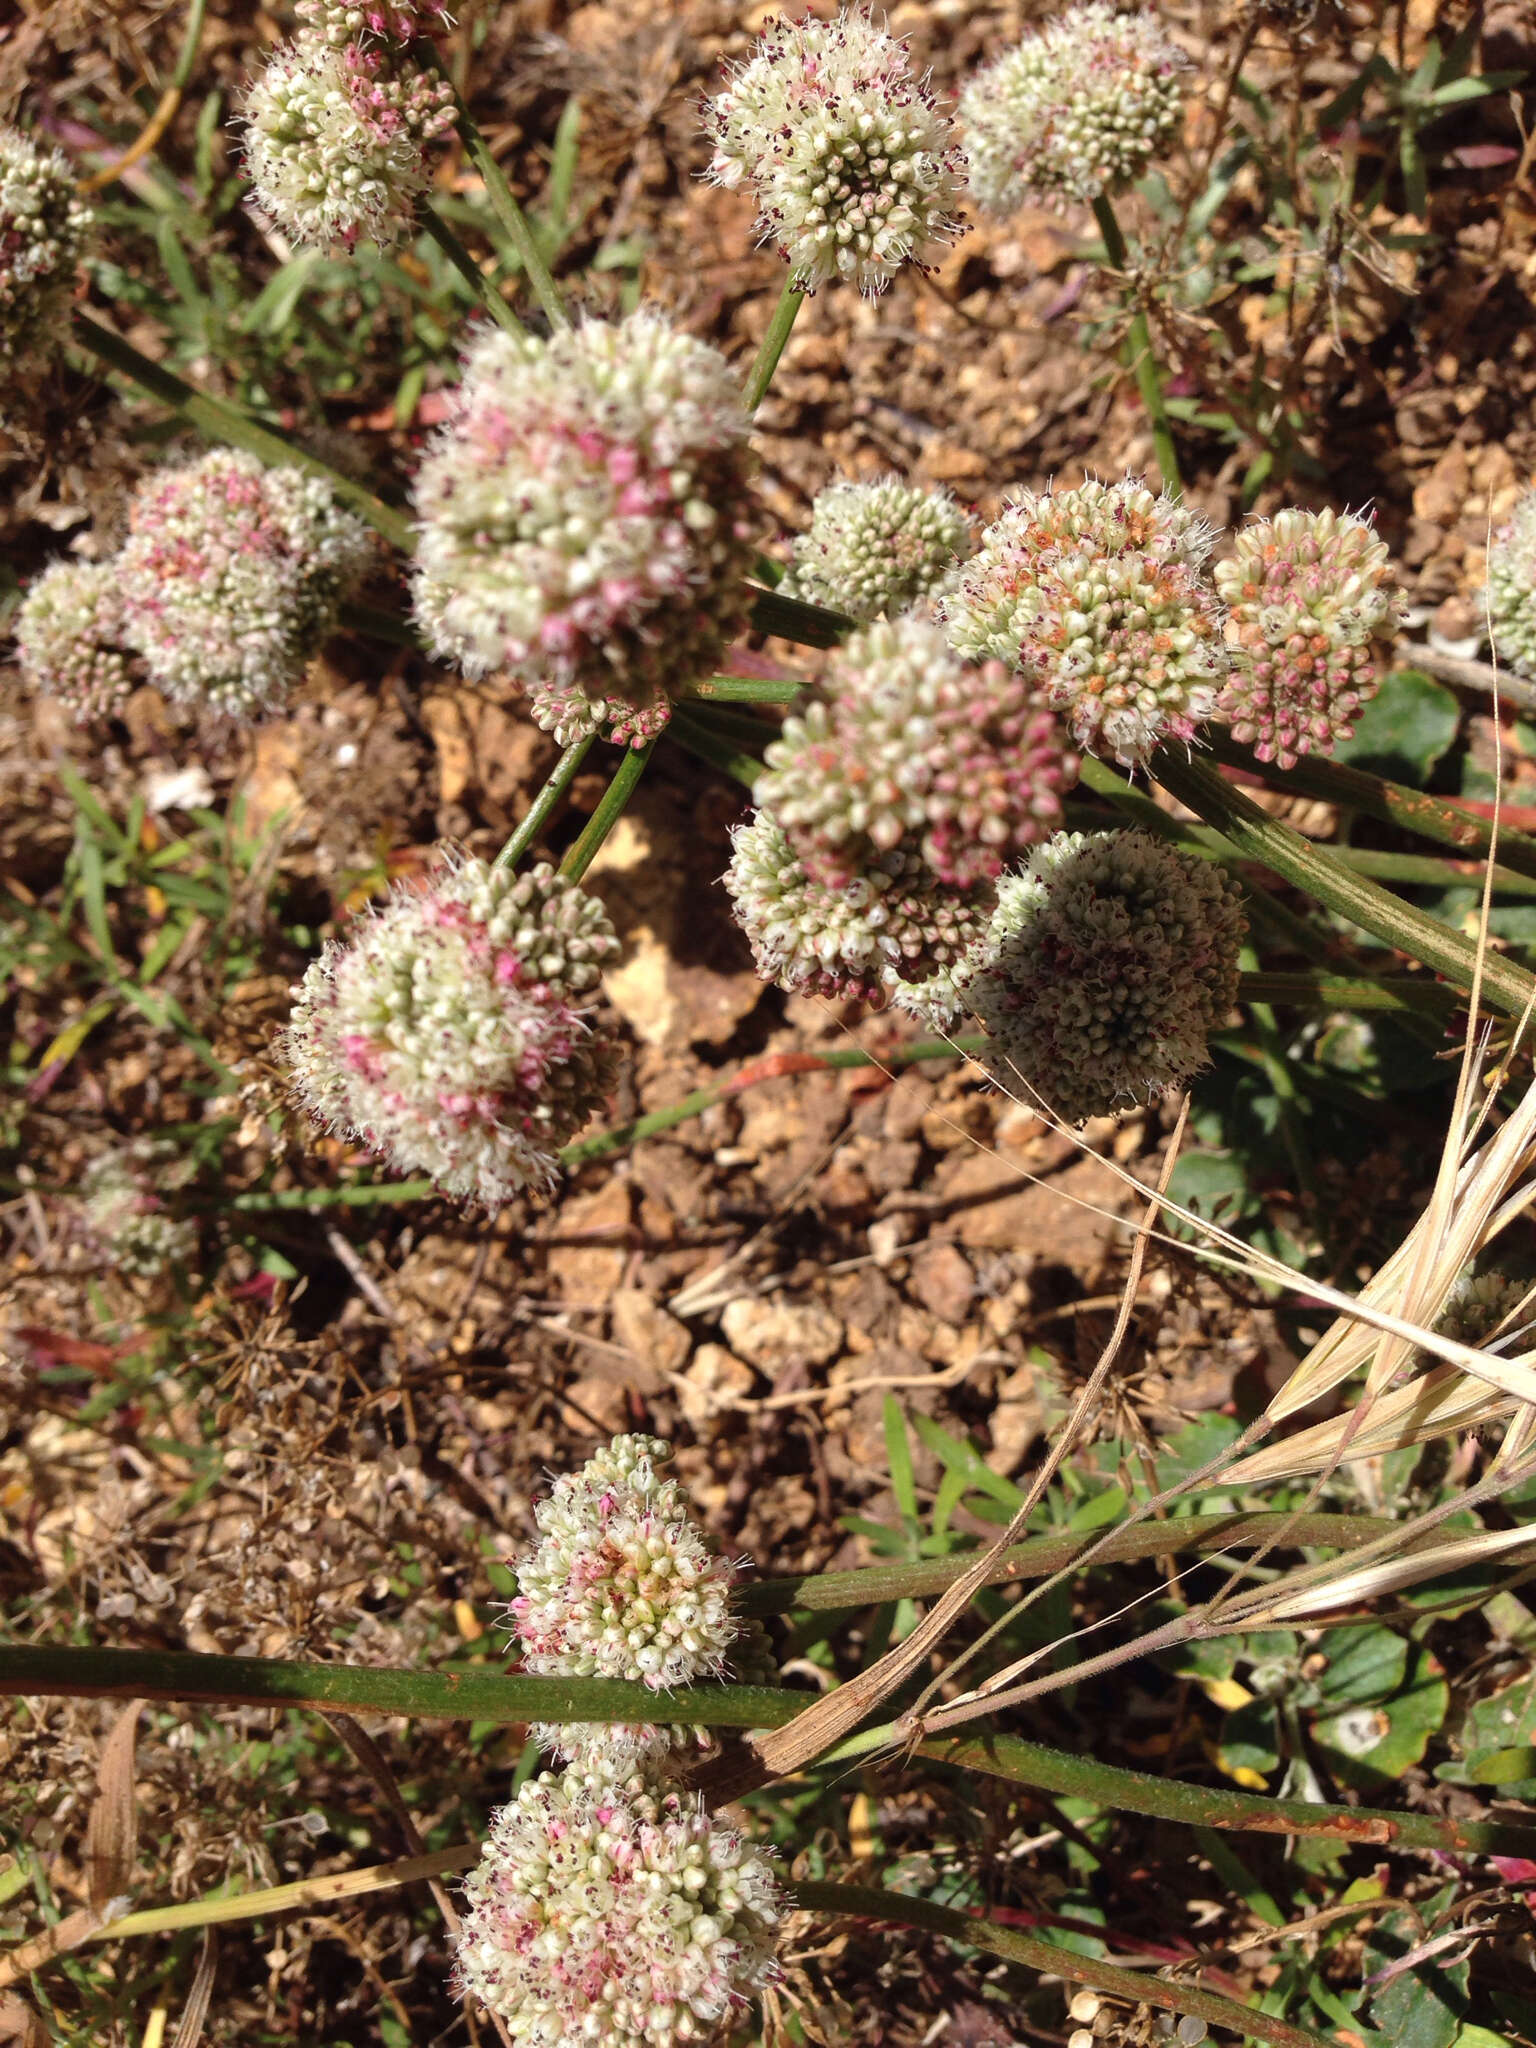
x=222 y=421
x=544 y=805
x=744 y=690
x=1049 y=1958
x=1399 y=994
x=1042 y=1556
x=1209 y=1806
x=1257 y=836
x=710 y=746
x=513 y=220
x=792 y=618
x=378 y=624
x=773 y=1068
x=479 y=1692
x=760 y=376
x=609 y=810
x=479 y=284
x=1140 y=356
x=1392 y=803
x=261 y=1200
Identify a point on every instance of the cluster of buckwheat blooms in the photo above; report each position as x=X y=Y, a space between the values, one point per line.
x=891 y=924
x=608 y=1910
x=1075 y=111
x=451 y=1034
x=1479 y=1303
x=231 y=577
x=123 y=1210
x=1097 y=596
x=609 y=1906
x=909 y=743
x=1309 y=601
x=623 y=1583
x=44 y=230
x=70 y=640
x=336 y=141
x=873 y=549
x=582 y=521
x=855 y=170
x=393 y=22
x=1109 y=960
x=1512 y=587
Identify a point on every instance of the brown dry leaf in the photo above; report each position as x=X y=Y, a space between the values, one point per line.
x=19 y=2023
x=112 y=1834
x=194 y=2016
x=68 y=1933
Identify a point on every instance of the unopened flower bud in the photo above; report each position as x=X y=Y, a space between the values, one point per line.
x=871 y=550
x=70 y=639
x=44 y=229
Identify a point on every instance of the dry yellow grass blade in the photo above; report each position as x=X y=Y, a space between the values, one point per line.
x=1443 y=1401
x=1351 y=1588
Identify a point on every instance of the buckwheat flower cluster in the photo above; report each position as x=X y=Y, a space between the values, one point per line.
x=1109 y=962
x=394 y=22
x=1076 y=110
x=451 y=1033
x=1309 y=601
x=1479 y=1303
x=856 y=172
x=604 y=1914
x=123 y=1210
x=890 y=923
x=44 y=228
x=583 y=521
x=970 y=762
x=1512 y=587
x=871 y=550
x=1096 y=595
x=622 y=1583
x=231 y=577
x=70 y=640
x=336 y=141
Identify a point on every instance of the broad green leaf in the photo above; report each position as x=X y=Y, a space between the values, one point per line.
x=1405 y=729
x=1368 y=1745
x=1365 y=1663
x=1249 y=1748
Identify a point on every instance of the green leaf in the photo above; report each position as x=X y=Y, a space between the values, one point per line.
x=1250 y=1742
x=1367 y=1746
x=1405 y=730
x=1425 y=2006
x=1364 y=1664
x=898 y=1453
x=957 y=1456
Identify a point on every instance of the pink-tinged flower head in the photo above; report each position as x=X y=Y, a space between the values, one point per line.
x=1512 y=587
x=1309 y=604
x=451 y=1034
x=969 y=764
x=1097 y=596
x=856 y=171
x=611 y=1914
x=886 y=925
x=392 y=22
x=1079 y=108
x=44 y=230
x=70 y=640
x=1109 y=961
x=336 y=141
x=124 y=1208
x=231 y=577
x=584 y=521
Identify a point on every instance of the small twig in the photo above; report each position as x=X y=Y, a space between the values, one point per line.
x=362 y=1279
x=164 y=114
x=1479 y=676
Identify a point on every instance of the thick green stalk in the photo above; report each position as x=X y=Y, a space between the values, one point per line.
x=1140 y=356
x=434 y=225
x=744 y=690
x=1211 y=1806
x=760 y=376
x=544 y=805
x=1257 y=836
x=1393 y=803
x=1050 y=1958
x=772 y=1068
x=1400 y=994
x=608 y=813
x=792 y=618
x=367 y=1197
x=478 y=1692
x=222 y=421
x=376 y=624
x=1041 y=1556
x=713 y=747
